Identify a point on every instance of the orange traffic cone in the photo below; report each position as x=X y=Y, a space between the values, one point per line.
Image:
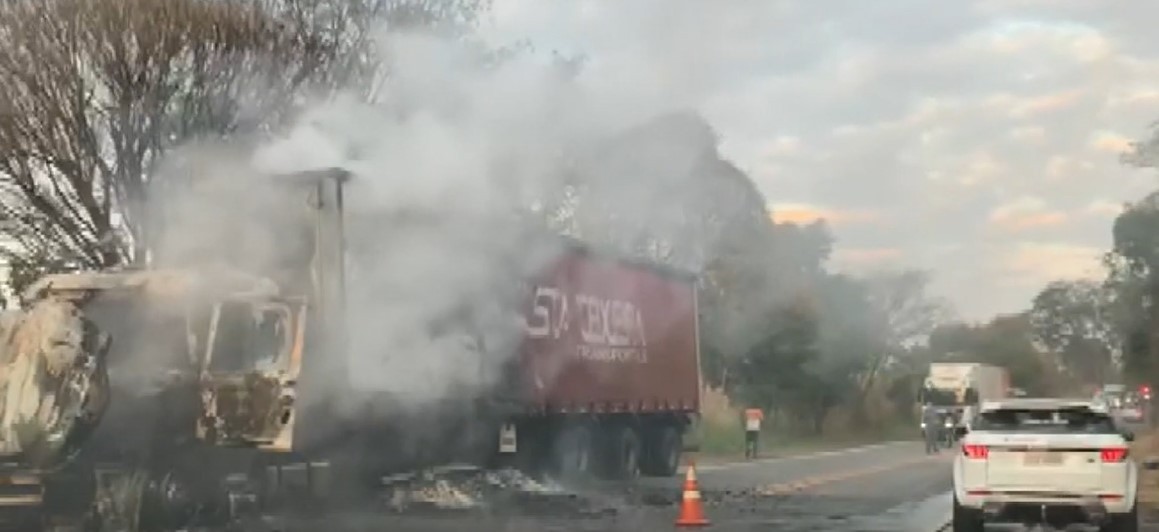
x=691 y=508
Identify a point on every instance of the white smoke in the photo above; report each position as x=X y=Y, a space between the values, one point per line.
x=461 y=170
x=450 y=159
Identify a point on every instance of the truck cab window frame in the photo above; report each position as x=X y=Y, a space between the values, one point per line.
x=245 y=337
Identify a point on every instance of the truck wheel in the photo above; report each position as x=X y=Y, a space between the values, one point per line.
x=572 y=452
x=1128 y=522
x=624 y=458
x=118 y=503
x=967 y=519
x=662 y=453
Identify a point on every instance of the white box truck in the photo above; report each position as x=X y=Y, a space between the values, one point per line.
x=962 y=386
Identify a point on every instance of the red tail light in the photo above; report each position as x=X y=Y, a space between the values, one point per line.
x=1113 y=455
x=977 y=452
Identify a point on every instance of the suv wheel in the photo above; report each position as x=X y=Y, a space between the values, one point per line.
x=966 y=519
x=1128 y=522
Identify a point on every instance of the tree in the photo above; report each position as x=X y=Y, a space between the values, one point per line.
x=902 y=315
x=1072 y=319
x=1133 y=265
x=1144 y=153
x=1006 y=341
x=661 y=191
x=93 y=93
x=774 y=373
x=1133 y=279
x=908 y=312
x=852 y=341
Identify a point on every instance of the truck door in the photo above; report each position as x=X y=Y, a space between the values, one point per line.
x=249 y=373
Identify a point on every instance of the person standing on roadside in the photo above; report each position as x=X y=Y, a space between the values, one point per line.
x=752 y=431
x=933 y=424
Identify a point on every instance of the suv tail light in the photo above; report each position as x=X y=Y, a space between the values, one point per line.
x=1113 y=455
x=977 y=452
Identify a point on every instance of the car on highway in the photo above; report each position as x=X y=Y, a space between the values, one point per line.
x=1057 y=462
x=1131 y=411
x=1125 y=405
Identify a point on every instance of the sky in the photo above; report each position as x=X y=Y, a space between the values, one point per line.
x=978 y=139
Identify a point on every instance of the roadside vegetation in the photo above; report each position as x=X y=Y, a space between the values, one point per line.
x=1145 y=447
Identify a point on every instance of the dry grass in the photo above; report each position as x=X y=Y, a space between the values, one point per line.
x=719 y=434
x=715 y=407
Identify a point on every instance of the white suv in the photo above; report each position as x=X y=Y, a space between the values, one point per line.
x=1045 y=461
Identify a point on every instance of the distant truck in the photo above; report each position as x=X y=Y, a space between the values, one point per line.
x=960 y=387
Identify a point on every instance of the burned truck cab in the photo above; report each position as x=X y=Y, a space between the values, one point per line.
x=256 y=349
x=310 y=269
x=249 y=372
x=267 y=360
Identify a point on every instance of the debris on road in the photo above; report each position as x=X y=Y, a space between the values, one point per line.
x=466 y=488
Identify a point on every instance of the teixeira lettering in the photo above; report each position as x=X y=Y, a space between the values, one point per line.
x=610 y=330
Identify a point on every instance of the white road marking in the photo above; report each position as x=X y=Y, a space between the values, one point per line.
x=815 y=481
x=799 y=457
x=929 y=515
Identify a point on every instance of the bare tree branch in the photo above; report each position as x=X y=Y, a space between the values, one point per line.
x=93 y=92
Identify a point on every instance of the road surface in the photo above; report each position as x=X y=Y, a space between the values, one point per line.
x=892 y=487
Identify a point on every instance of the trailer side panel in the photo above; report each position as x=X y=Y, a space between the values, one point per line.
x=605 y=336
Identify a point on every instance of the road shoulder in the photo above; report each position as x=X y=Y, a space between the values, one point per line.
x=1146 y=448
x=928 y=515
x=712 y=462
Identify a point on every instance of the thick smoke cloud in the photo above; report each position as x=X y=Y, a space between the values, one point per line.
x=458 y=168
x=464 y=171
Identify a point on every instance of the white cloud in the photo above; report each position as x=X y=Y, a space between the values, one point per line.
x=863 y=260
x=1110 y=142
x=1036 y=263
x=944 y=115
x=1103 y=208
x=803 y=213
x=1025 y=213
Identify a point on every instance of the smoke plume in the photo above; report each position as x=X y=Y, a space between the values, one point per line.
x=462 y=170
x=456 y=167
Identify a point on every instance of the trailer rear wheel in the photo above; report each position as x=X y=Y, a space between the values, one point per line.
x=624 y=458
x=662 y=452
x=572 y=452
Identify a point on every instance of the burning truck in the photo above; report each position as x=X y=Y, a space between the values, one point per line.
x=150 y=399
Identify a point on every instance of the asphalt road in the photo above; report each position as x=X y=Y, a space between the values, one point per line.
x=893 y=487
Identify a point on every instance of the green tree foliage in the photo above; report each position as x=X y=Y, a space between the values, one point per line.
x=852 y=341
x=1133 y=271
x=1007 y=341
x=837 y=338
x=1072 y=319
x=909 y=313
x=773 y=374
x=1133 y=280
x=661 y=191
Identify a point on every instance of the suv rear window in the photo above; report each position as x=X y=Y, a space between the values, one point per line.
x=1059 y=421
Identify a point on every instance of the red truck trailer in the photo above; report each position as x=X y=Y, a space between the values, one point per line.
x=609 y=366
